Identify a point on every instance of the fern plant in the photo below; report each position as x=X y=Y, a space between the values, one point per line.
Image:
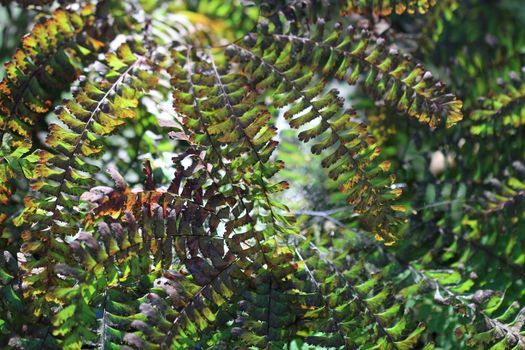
x=152 y=198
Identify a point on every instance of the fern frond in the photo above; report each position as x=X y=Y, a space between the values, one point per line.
x=63 y=173
x=107 y=264
x=97 y=110
x=348 y=53
x=265 y=57
x=47 y=63
x=49 y=60
x=476 y=234
x=301 y=12
x=223 y=116
x=242 y=136
x=476 y=246
x=498 y=327
x=354 y=306
x=487 y=322
x=221 y=276
x=502 y=205
x=272 y=306
x=484 y=328
x=502 y=110
x=352 y=151
x=387 y=7
x=116 y=256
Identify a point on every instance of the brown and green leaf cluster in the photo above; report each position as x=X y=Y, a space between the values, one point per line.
x=218 y=175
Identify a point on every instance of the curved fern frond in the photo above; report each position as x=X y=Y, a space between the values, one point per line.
x=63 y=174
x=349 y=53
x=352 y=150
x=387 y=7
x=222 y=276
x=241 y=128
x=352 y=301
x=47 y=63
x=97 y=110
x=49 y=60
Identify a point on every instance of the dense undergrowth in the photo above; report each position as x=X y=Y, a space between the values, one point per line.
x=232 y=174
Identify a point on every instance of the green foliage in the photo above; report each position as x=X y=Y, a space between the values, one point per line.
x=386 y=7
x=49 y=60
x=254 y=174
